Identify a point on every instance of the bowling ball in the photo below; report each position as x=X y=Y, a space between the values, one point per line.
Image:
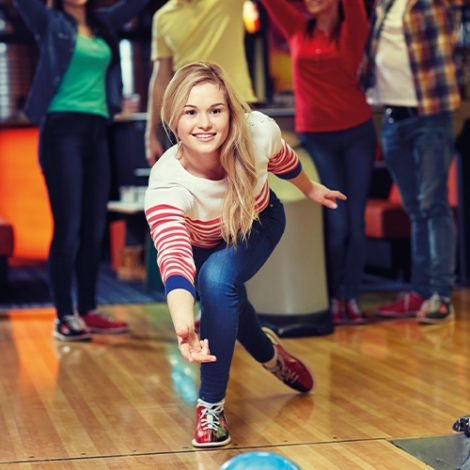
x=259 y=461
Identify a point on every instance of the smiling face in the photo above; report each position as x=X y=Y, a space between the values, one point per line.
x=319 y=7
x=204 y=122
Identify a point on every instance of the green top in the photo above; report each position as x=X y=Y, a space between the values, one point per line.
x=83 y=88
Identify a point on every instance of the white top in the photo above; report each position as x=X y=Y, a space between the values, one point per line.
x=184 y=210
x=394 y=80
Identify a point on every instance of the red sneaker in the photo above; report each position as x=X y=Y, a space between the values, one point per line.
x=211 y=425
x=336 y=308
x=290 y=370
x=98 y=322
x=407 y=305
x=197 y=321
x=354 y=315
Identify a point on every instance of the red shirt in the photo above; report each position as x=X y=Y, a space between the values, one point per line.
x=326 y=88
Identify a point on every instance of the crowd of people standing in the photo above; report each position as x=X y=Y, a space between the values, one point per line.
x=213 y=218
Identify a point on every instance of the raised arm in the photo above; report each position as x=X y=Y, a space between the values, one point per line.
x=34 y=14
x=123 y=11
x=161 y=76
x=354 y=32
x=287 y=18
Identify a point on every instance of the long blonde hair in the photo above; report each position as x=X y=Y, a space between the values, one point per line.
x=236 y=153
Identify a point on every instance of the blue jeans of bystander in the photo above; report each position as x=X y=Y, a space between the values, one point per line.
x=418 y=152
x=344 y=161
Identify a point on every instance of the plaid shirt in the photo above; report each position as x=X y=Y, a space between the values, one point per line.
x=430 y=28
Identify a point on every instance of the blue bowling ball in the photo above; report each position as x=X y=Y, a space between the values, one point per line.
x=259 y=461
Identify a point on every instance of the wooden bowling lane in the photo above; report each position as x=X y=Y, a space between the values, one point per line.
x=126 y=401
x=365 y=455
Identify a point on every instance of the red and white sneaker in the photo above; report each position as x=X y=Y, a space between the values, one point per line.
x=336 y=309
x=407 y=305
x=197 y=321
x=354 y=315
x=211 y=425
x=290 y=370
x=98 y=322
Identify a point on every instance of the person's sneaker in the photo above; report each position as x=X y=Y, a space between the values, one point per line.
x=98 y=322
x=211 y=425
x=354 y=315
x=70 y=328
x=436 y=310
x=407 y=305
x=290 y=370
x=336 y=309
x=197 y=321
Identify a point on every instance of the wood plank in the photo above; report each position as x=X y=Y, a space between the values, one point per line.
x=365 y=455
x=133 y=394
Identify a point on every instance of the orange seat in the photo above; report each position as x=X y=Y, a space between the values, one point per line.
x=386 y=218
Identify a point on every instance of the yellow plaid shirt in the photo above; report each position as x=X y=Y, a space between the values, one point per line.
x=431 y=29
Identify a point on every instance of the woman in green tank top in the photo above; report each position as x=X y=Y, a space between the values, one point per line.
x=75 y=93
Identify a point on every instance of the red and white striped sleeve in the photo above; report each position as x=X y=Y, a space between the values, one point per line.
x=285 y=164
x=171 y=239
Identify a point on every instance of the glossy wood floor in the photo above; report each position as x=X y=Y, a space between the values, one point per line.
x=127 y=402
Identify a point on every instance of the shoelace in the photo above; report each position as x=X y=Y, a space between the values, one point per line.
x=335 y=305
x=282 y=372
x=354 y=307
x=210 y=418
x=434 y=303
x=74 y=322
x=102 y=315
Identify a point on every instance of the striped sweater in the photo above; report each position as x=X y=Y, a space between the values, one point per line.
x=183 y=210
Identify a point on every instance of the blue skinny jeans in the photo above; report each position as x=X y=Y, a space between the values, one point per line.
x=226 y=313
x=418 y=152
x=344 y=161
x=74 y=158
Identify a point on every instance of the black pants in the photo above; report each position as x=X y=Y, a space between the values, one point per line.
x=74 y=157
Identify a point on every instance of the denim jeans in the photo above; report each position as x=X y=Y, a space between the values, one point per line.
x=344 y=161
x=74 y=158
x=226 y=313
x=418 y=152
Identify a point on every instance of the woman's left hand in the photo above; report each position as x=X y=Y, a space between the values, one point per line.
x=322 y=195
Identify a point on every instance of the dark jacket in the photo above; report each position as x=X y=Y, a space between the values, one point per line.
x=55 y=33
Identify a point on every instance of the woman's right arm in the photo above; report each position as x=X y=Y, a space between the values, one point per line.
x=174 y=253
x=34 y=14
x=181 y=306
x=287 y=18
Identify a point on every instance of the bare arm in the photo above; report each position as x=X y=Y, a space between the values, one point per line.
x=316 y=192
x=181 y=305
x=161 y=76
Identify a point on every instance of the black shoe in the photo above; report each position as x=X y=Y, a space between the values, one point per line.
x=71 y=328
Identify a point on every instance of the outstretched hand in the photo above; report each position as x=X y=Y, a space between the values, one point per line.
x=191 y=348
x=322 y=195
